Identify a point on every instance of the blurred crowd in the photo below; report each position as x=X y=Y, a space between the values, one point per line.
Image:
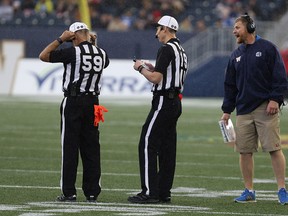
x=124 y=15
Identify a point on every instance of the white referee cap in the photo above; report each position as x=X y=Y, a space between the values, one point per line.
x=168 y=21
x=78 y=26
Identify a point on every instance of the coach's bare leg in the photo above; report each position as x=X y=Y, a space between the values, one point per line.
x=246 y=162
x=279 y=167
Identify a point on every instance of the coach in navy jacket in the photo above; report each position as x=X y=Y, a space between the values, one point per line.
x=255 y=84
x=255 y=74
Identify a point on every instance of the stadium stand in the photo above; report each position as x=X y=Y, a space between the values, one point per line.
x=193 y=15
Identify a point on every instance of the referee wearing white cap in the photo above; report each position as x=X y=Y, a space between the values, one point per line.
x=83 y=66
x=158 y=137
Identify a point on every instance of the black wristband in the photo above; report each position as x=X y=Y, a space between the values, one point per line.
x=59 y=40
x=140 y=68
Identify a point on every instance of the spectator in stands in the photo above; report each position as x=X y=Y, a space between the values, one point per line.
x=44 y=7
x=178 y=8
x=228 y=10
x=145 y=12
x=201 y=25
x=61 y=8
x=17 y=7
x=222 y=9
x=28 y=6
x=116 y=24
x=105 y=19
x=140 y=22
x=186 y=25
x=67 y=10
x=128 y=17
x=6 y=10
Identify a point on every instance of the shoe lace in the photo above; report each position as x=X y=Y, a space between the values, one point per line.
x=246 y=192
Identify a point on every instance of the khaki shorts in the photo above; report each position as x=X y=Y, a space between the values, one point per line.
x=257 y=126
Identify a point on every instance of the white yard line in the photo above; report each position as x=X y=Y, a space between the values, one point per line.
x=127 y=209
x=267 y=181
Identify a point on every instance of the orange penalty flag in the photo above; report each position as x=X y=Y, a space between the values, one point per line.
x=98 y=113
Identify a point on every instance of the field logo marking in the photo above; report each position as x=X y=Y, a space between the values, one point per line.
x=54 y=209
x=127 y=209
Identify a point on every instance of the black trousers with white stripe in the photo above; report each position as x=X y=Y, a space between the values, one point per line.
x=157 y=147
x=78 y=134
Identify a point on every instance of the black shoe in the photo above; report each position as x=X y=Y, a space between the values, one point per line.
x=143 y=199
x=165 y=199
x=91 y=199
x=63 y=198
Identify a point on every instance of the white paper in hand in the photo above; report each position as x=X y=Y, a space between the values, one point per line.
x=227 y=131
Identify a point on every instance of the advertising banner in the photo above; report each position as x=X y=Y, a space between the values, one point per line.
x=34 y=77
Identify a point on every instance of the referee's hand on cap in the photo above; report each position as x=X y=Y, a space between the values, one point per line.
x=93 y=38
x=67 y=36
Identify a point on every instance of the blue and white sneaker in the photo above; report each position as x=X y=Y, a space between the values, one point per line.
x=246 y=197
x=282 y=196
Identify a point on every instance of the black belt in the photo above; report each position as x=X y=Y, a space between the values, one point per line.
x=67 y=94
x=170 y=93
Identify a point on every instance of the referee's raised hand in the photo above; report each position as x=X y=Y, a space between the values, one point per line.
x=93 y=38
x=67 y=36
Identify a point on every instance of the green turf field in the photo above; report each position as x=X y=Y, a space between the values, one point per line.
x=207 y=174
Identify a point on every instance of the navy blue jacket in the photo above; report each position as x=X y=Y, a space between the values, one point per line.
x=255 y=74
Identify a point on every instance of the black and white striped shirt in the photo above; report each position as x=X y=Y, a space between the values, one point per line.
x=172 y=62
x=83 y=66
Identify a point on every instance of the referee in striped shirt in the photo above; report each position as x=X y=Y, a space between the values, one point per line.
x=158 y=137
x=83 y=66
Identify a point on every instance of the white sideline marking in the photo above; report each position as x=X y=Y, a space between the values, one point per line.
x=262 y=181
x=123 y=101
x=127 y=209
x=37 y=214
x=11 y=207
x=58 y=188
x=180 y=192
x=53 y=208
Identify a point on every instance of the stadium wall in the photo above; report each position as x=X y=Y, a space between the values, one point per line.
x=22 y=73
x=119 y=45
